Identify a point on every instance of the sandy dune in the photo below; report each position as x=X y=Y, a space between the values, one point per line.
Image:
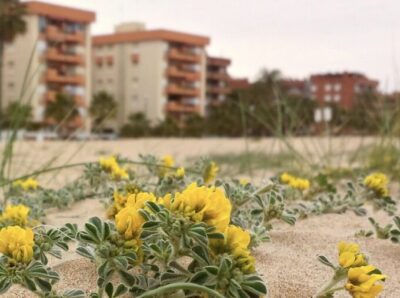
x=288 y=263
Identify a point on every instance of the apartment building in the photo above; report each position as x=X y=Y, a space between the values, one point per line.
x=155 y=72
x=218 y=80
x=54 y=54
x=340 y=88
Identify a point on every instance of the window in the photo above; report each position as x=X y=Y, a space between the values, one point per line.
x=135 y=79
x=314 y=88
x=328 y=97
x=10 y=64
x=336 y=97
x=11 y=85
x=328 y=87
x=337 y=87
x=135 y=58
x=110 y=81
x=100 y=81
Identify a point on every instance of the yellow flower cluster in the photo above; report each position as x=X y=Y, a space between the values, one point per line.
x=201 y=203
x=295 y=182
x=361 y=277
x=361 y=282
x=210 y=172
x=180 y=173
x=167 y=162
x=131 y=199
x=28 y=184
x=15 y=215
x=129 y=223
x=349 y=255
x=236 y=242
x=128 y=220
x=17 y=243
x=378 y=182
x=110 y=165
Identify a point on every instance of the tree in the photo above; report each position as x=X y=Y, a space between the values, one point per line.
x=11 y=24
x=17 y=115
x=62 y=110
x=103 y=107
x=138 y=126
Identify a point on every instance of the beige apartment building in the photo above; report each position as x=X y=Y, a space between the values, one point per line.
x=156 y=72
x=218 y=80
x=54 y=54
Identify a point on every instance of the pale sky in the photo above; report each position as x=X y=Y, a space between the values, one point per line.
x=299 y=37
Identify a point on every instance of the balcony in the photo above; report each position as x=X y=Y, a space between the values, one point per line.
x=218 y=90
x=183 y=56
x=174 y=72
x=174 y=107
x=52 y=76
x=54 y=55
x=50 y=96
x=183 y=91
x=55 y=33
x=217 y=76
x=77 y=37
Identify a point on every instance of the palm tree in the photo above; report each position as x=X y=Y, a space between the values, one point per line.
x=11 y=24
x=103 y=107
x=62 y=110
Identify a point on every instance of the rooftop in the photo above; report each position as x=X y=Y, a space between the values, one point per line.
x=148 y=35
x=59 y=12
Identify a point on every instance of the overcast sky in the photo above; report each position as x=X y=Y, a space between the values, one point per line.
x=299 y=37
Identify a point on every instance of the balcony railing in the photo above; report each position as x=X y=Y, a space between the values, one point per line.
x=183 y=74
x=183 y=91
x=218 y=90
x=52 y=76
x=54 y=55
x=184 y=56
x=56 y=34
x=175 y=107
x=220 y=76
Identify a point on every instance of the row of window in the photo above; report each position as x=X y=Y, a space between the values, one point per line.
x=328 y=87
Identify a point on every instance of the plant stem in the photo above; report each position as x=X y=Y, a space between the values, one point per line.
x=329 y=287
x=181 y=286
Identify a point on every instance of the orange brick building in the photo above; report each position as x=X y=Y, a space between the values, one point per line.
x=340 y=88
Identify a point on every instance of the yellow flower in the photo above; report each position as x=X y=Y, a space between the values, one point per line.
x=295 y=182
x=378 y=182
x=286 y=178
x=180 y=173
x=236 y=242
x=210 y=172
x=137 y=200
x=234 y=238
x=245 y=261
x=206 y=204
x=167 y=163
x=129 y=223
x=362 y=282
x=28 y=184
x=17 y=243
x=243 y=182
x=16 y=215
x=118 y=173
x=349 y=255
x=108 y=163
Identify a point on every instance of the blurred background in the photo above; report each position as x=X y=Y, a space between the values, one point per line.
x=258 y=86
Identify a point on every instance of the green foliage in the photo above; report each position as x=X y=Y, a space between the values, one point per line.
x=138 y=126
x=102 y=107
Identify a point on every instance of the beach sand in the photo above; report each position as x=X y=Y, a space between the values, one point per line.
x=288 y=263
